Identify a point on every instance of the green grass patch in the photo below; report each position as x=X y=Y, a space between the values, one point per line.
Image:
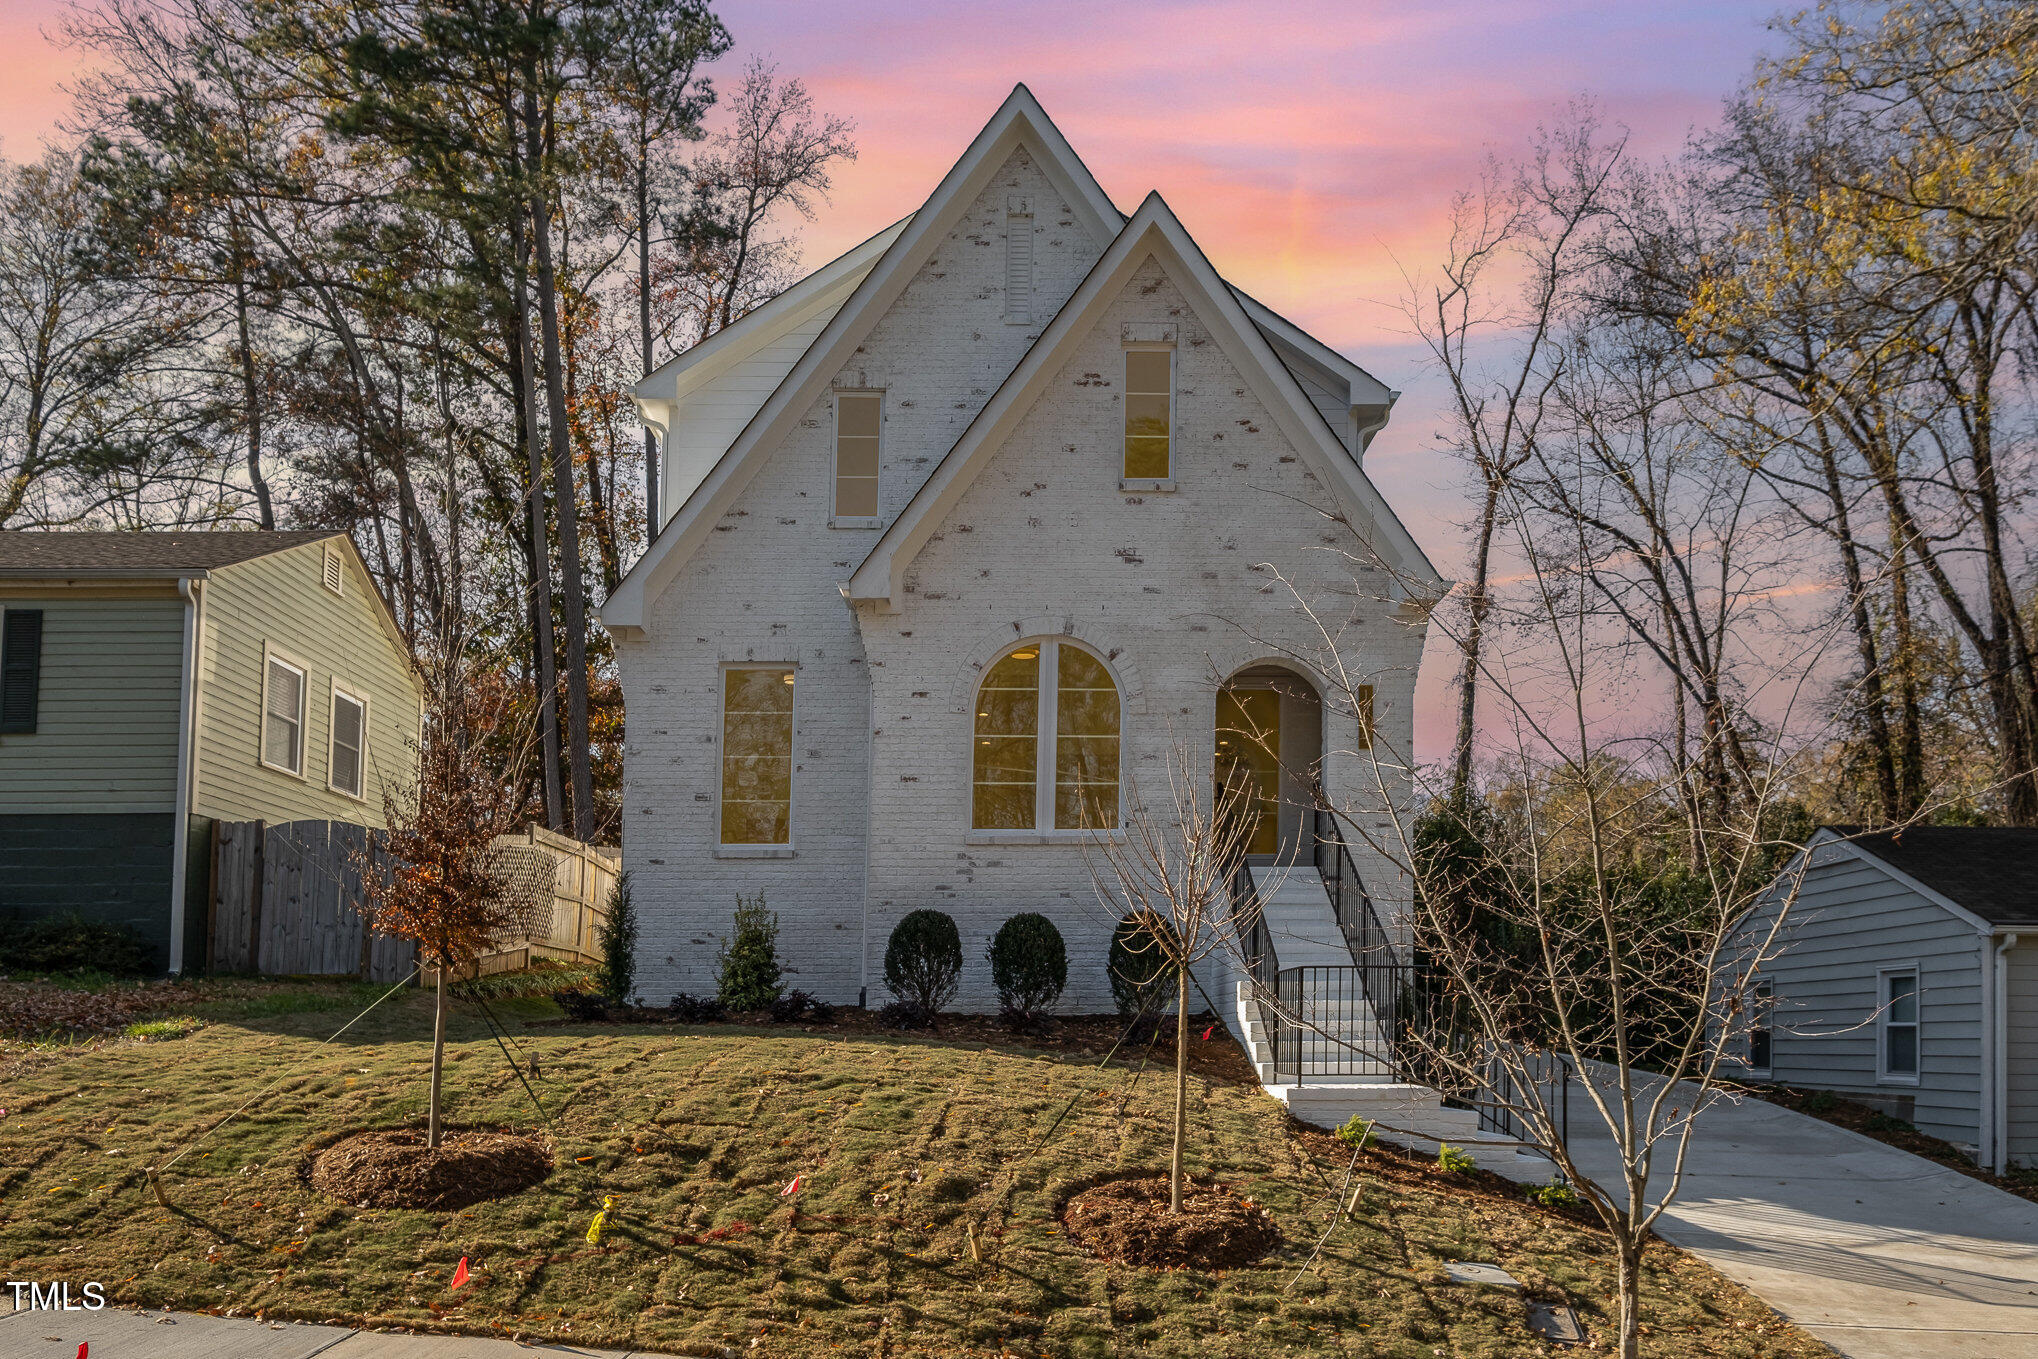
x=927 y=1223
x=179 y=1026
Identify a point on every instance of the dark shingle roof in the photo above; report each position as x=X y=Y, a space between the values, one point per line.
x=144 y=553
x=1989 y=870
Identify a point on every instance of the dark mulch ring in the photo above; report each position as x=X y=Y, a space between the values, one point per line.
x=393 y=1168
x=1128 y=1222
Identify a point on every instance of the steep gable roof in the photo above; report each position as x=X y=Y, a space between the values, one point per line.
x=1019 y=121
x=1153 y=231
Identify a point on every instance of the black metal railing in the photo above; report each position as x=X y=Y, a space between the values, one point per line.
x=1507 y=1091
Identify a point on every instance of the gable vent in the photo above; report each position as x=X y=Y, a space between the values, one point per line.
x=333 y=577
x=1018 y=260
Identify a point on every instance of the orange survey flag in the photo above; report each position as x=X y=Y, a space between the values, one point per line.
x=460 y=1273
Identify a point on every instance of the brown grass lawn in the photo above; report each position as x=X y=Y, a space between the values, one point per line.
x=927 y=1224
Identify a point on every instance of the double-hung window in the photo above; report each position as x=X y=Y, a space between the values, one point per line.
x=859 y=417
x=1149 y=413
x=1046 y=742
x=348 y=757
x=283 y=716
x=1899 y=1025
x=1761 y=1036
x=757 y=756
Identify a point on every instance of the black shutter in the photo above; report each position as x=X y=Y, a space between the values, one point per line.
x=20 y=669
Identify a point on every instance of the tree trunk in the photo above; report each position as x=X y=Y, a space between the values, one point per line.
x=644 y=336
x=1181 y=1086
x=579 y=757
x=544 y=651
x=1629 y=1338
x=251 y=415
x=1476 y=605
x=438 y=1057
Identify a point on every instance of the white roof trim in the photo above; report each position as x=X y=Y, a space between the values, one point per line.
x=1020 y=119
x=1153 y=230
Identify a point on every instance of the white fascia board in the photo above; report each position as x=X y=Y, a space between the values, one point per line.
x=1019 y=120
x=1153 y=230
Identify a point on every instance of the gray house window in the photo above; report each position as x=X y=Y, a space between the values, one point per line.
x=1899 y=1025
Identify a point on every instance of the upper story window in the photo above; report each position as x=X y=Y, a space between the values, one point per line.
x=283 y=716
x=1149 y=413
x=1899 y=1025
x=1027 y=773
x=757 y=755
x=859 y=416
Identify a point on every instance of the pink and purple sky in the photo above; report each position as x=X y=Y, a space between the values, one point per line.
x=1312 y=148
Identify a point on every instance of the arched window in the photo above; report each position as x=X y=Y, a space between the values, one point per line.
x=1063 y=774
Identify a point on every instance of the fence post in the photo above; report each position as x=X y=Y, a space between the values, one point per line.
x=255 y=897
x=212 y=898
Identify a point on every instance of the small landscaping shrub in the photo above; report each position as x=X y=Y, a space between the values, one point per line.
x=1880 y=1122
x=1555 y=1194
x=906 y=1014
x=796 y=1005
x=923 y=961
x=751 y=978
x=1029 y=963
x=1356 y=1133
x=582 y=1007
x=70 y=943
x=1455 y=1160
x=688 y=1009
x=1141 y=979
x=619 y=945
x=1822 y=1102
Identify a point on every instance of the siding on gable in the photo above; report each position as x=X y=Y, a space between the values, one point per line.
x=106 y=721
x=763 y=587
x=2022 y=1052
x=1850 y=921
x=279 y=600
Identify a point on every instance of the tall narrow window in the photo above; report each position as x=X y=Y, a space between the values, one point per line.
x=20 y=669
x=1760 y=1036
x=858 y=417
x=1900 y=1025
x=1018 y=261
x=1065 y=776
x=757 y=756
x=1149 y=413
x=350 y=738
x=283 y=717
x=1363 y=695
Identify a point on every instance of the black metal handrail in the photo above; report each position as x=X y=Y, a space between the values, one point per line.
x=1262 y=966
x=1502 y=1102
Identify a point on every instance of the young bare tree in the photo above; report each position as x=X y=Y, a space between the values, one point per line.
x=1173 y=873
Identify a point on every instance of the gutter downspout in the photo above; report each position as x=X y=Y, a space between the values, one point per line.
x=193 y=592
x=1999 y=1058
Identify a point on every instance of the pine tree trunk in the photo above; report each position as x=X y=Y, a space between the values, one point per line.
x=1181 y=1086
x=438 y=1058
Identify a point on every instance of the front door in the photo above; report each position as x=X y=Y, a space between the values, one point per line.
x=1249 y=751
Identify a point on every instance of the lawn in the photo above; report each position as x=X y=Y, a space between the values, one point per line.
x=926 y=1222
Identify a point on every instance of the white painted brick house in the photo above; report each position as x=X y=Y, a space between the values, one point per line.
x=1016 y=431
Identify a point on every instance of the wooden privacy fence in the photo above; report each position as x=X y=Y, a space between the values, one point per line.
x=286 y=900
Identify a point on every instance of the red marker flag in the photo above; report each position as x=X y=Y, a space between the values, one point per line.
x=792 y=1188
x=460 y=1273
x=83 y=1345
x=1207 y=1032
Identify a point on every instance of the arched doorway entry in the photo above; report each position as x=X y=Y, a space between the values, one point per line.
x=1269 y=738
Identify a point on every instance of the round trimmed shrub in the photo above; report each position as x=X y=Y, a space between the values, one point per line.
x=1141 y=977
x=923 y=961
x=1029 y=963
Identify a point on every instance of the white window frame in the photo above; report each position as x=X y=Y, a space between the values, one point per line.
x=337 y=692
x=1047 y=735
x=1149 y=484
x=272 y=657
x=1883 y=1075
x=786 y=850
x=854 y=521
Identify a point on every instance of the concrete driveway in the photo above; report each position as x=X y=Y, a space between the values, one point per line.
x=1881 y=1254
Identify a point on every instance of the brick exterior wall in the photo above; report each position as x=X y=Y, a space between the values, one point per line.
x=1165 y=585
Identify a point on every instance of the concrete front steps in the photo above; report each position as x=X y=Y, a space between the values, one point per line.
x=1411 y=1116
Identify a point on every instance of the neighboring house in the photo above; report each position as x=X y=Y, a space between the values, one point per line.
x=1907 y=979
x=956 y=537
x=152 y=683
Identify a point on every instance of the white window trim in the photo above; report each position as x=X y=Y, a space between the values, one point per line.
x=1883 y=1075
x=337 y=692
x=786 y=850
x=272 y=656
x=1044 y=831
x=855 y=521
x=1151 y=484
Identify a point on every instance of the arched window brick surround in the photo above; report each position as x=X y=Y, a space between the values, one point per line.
x=994 y=646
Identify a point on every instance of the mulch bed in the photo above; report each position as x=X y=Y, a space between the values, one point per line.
x=1128 y=1222
x=1217 y=1058
x=392 y=1168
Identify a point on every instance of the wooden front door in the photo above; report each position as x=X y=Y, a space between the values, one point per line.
x=1249 y=749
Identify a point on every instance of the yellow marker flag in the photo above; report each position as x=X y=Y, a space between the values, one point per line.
x=601 y=1220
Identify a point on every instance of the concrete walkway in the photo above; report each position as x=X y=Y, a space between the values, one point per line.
x=1881 y=1254
x=120 y=1334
